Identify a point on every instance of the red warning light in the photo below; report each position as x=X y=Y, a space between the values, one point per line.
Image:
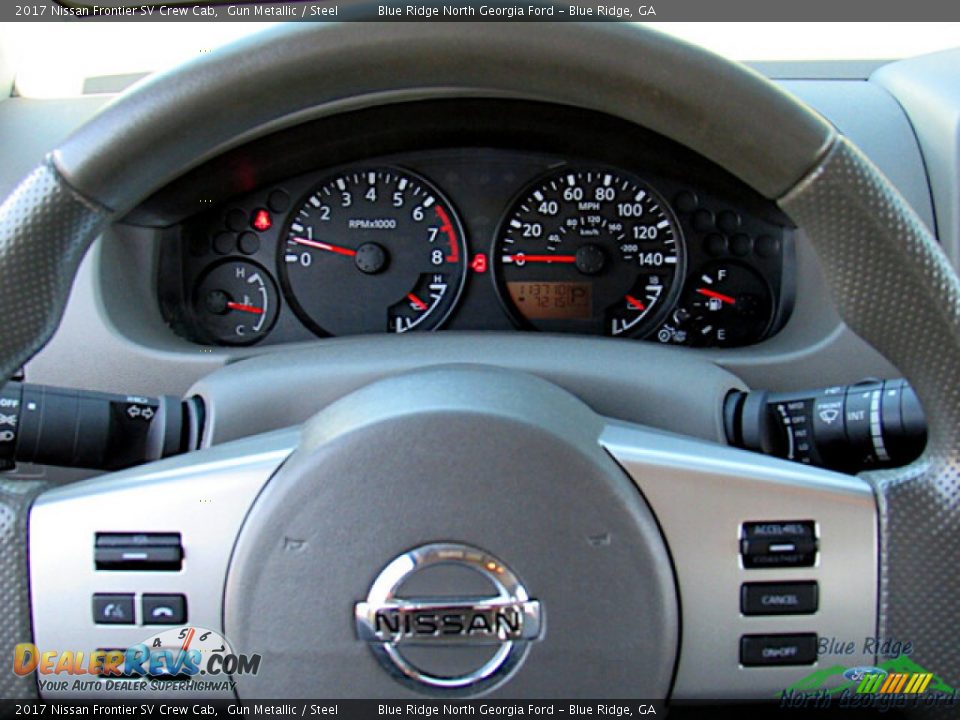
x=262 y=220
x=479 y=263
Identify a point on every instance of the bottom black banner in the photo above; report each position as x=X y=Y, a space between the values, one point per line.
x=348 y=709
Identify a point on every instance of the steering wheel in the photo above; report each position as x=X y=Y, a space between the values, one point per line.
x=465 y=528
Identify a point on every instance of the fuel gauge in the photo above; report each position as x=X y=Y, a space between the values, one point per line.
x=235 y=303
x=725 y=304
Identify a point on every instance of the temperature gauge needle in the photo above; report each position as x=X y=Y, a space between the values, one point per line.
x=245 y=308
x=717 y=296
x=417 y=302
x=324 y=246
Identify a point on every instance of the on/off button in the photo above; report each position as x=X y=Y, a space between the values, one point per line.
x=760 y=650
x=796 y=598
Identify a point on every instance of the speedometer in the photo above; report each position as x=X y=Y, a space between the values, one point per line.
x=588 y=251
x=373 y=250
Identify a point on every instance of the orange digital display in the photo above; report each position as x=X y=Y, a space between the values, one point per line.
x=552 y=300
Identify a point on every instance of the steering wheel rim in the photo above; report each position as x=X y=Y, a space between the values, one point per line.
x=865 y=233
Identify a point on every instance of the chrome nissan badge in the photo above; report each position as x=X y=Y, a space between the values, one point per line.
x=492 y=630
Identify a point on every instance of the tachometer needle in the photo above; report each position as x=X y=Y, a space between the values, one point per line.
x=634 y=303
x=717 y=296
x=186 y=642
x=245 y=308
x=417 y=302
x=522 y=259
x=324 y=246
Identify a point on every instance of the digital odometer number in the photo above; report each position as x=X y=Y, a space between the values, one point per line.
x=591 y=250
x=373 y=250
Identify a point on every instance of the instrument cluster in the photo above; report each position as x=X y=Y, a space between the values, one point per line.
x=479 y=239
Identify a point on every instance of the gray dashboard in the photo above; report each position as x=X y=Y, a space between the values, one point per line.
x=904 y=116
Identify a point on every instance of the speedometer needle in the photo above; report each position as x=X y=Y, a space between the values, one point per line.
x=717 y=296
x=324 y=246
x=522 y=259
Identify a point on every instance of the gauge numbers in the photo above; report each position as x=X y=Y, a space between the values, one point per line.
x=373 y=250
x=590 y=251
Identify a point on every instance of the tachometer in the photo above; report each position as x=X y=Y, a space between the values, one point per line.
x=588 y=251
x=373 y=250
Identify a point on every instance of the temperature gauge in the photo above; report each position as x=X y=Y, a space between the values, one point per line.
x=235 y=303
x=418 y=305
x=725 y=304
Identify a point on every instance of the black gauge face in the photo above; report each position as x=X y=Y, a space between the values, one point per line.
x=588 y=251
x=235 y=303
x=373 y=250
x=725 y=304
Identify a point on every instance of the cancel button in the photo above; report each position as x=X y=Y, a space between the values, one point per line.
x=795 y=598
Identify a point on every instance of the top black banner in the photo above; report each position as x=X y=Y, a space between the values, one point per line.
x=485 y=10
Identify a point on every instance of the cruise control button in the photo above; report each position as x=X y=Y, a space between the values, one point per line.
x=164 y=610
x=778 y=544
x=798 y=598
x=761 y=650
x=113 y=609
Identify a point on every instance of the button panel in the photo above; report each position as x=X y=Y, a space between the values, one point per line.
x=769 y=650
x=773 y=598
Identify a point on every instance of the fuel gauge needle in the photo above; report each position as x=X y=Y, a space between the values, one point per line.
x=717 y=296
x=324 y=246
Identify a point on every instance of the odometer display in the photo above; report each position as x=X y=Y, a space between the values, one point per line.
x=588 y=251
x=552 y=300
x=373 y=250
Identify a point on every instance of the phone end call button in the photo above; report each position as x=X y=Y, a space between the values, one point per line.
x=164 y=610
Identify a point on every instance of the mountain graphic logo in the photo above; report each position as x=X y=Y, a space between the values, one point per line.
x=899 y=676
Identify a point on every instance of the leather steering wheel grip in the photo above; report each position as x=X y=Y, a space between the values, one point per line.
x=893 y=285
x=870 y=240
x=45 y=228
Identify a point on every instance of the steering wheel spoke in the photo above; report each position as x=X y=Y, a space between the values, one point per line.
x=707 y=499
x=197 y=501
